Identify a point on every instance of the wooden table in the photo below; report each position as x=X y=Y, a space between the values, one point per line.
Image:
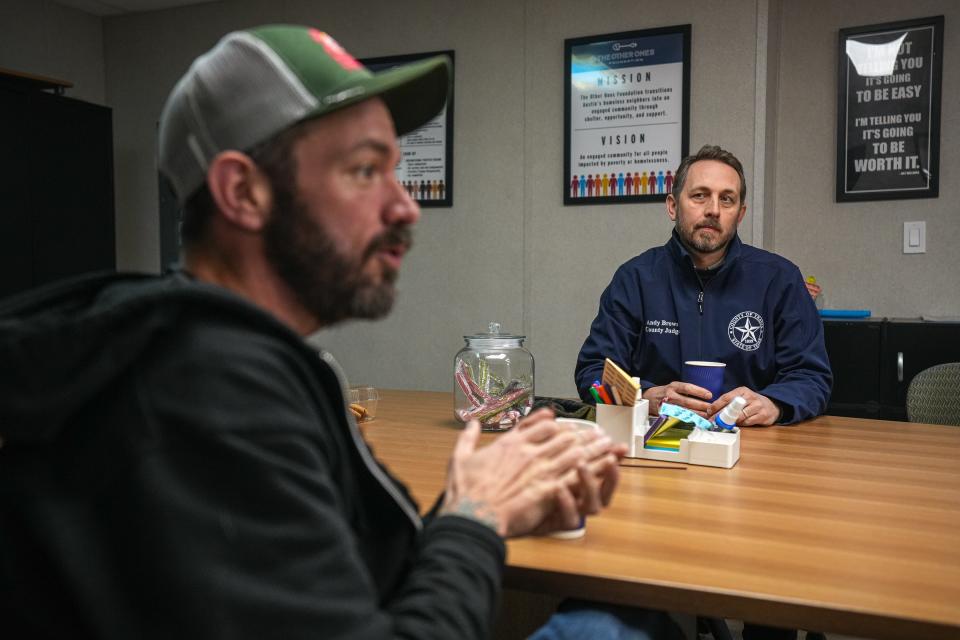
x=837 y=524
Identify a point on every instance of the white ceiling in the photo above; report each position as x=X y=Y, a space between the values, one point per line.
x=120 y=7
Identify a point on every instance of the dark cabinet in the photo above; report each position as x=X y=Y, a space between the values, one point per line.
x=854 y=349
x=56 y=188
x=16 y=268
x=910 y=346
x=874 y=361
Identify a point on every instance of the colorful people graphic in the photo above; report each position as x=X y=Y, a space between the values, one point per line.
x=595 y=186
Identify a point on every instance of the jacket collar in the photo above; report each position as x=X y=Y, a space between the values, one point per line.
x=681 y=254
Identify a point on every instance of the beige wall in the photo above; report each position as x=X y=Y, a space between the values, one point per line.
x=509 y=250
x=468 y=263
x=572 y=252
x=43 y=38
x=856 y=249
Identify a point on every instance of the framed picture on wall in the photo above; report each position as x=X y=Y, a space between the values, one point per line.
x=888 y=116
x=626 y=113
x=426 y=155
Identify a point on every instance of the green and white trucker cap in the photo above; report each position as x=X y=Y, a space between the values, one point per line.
x=255 y=83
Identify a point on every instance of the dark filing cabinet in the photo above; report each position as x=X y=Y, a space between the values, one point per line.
x=56 y=187
x=874 y=360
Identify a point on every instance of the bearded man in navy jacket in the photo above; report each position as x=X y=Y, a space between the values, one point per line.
x=705 y=295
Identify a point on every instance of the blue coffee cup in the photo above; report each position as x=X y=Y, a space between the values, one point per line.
x=708 y=375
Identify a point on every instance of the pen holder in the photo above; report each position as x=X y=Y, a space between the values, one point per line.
x=624 y=423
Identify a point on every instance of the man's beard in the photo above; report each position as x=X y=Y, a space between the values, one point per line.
x=331 y=286
x=703 y=244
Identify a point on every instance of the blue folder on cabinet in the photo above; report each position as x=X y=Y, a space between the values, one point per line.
x=844 y=313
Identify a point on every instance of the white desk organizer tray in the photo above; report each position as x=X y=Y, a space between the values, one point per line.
x=629 y=424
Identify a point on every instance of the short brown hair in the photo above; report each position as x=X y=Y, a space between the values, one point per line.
x=709 y=152
x=275 y=159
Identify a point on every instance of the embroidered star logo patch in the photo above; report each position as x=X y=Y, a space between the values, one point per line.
x=746 y=330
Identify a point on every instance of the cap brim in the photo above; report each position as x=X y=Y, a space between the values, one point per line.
x=414 y=93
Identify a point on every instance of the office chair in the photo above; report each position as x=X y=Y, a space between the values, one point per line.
x=934 y=395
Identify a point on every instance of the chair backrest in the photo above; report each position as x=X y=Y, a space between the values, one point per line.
x=934 y=395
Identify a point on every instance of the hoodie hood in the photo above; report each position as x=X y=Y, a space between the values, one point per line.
x=61 y=345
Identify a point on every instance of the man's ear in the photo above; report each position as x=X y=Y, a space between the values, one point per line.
x=672 y=207
x=240 y=190
x=743 y=212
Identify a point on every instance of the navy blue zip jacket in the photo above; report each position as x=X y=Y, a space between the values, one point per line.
x=754 y=314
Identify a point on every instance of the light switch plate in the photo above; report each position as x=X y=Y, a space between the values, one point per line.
x=915 y=237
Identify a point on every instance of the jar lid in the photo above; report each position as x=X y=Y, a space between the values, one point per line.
x=494 y=333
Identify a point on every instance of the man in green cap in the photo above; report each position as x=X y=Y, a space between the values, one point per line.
x=175 y=460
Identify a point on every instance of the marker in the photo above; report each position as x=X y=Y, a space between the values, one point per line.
x=596 y=396
x=604 y=394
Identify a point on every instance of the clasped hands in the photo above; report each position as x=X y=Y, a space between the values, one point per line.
x=540 y=477
x=760 y=411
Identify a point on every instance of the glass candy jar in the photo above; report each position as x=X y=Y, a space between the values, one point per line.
x=493 y=379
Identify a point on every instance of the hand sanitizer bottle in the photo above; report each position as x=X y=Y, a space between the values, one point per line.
x=727 y=418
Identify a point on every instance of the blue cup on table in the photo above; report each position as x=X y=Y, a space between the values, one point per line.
x=702 y=373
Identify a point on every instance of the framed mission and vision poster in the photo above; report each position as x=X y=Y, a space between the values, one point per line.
x=888 y=116
x=426 y=155
x=627 y=115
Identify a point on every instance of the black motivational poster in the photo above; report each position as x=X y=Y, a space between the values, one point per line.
x=888 y=132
